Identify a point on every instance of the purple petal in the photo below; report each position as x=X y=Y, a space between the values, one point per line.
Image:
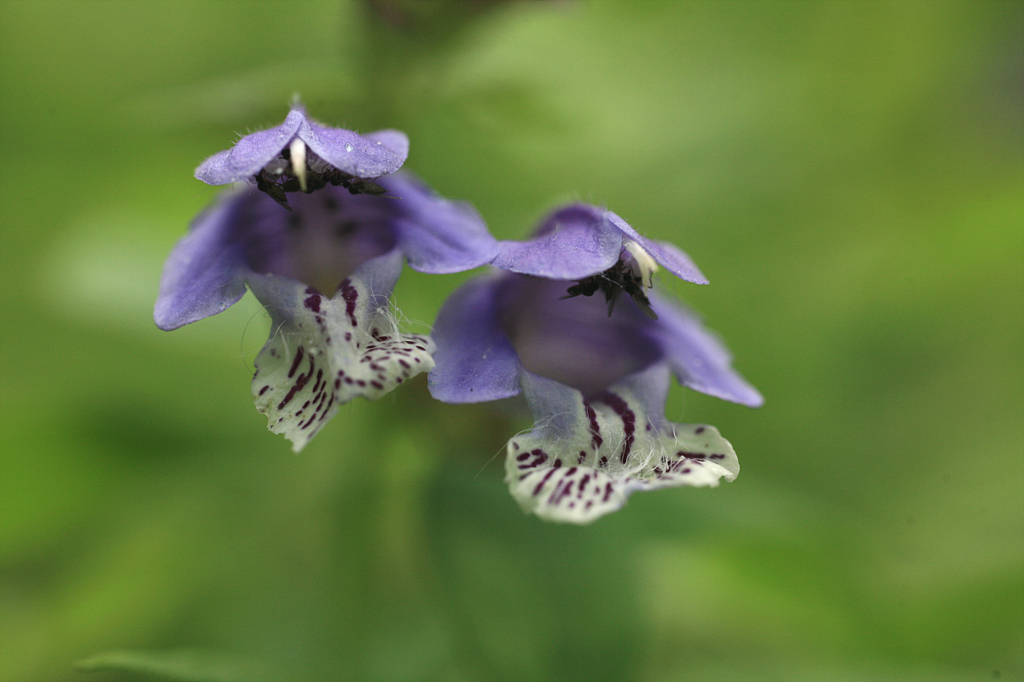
x=327 y=235
x=667 y=255
x=324 y=351
x=438 y=236
x=573 y=243
x=251 y=153
x=205 y=273
x=395 y=141
x=697 y=357
x=364 y=156
x=474 y=360
x=574 y=340
x=583 y=458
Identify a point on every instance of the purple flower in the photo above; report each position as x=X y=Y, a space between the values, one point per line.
x=302 y=156
x=571 y=323
x=324 y=270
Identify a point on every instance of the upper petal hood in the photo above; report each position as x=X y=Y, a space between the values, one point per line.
x=250 y=153
x=573 y=242
x=580 y=240
x=667 y=255
x=363 y=156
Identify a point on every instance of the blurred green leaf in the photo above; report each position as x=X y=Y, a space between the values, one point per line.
x=179 y=666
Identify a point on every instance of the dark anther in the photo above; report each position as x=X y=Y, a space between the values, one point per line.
x=272 y=190
x=613 y=281
x=353 y=184
x=360 y=186
x=277 y=186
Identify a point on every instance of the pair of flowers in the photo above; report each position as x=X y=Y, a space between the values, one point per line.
x=320 y=231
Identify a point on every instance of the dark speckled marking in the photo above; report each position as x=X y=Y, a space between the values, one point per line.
x=349 y=293
x=300 y=382
x=628 y=421
x=312 y=300
x=544 y=480
x=295 y=363
x=595 y=428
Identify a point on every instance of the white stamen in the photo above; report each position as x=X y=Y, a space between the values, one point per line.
x=298 y=157
x=648 y=266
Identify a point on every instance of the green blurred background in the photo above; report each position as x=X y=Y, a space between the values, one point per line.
x=850 y=176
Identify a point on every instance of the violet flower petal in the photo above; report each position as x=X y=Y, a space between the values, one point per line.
x=395 y=141
x=667 y=255
x=364 y=156
x=205 y=273
x=437 y=236
x=573 y=339
x=697 y=356
x=583 y=459
x=573 y=243
x=250 y=153
x=474 y=361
